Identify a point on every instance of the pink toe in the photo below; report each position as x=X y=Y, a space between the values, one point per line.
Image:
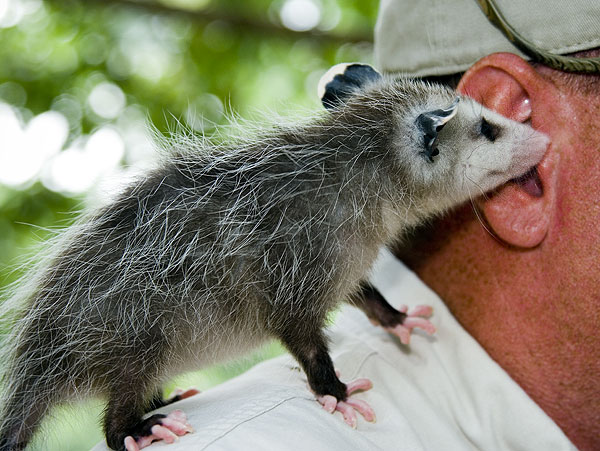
x=163 y=433
x=147 y=440
x=421 y=310
x=178 y=415
x=177 y=427
x=422 y=323
x=348 y=413
x=358 y=384
x=363 y=408
x=130 y=444
x=328 y=402
x=403 y=333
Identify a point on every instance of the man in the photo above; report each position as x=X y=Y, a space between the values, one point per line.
x=527 y=286
x=520 y=273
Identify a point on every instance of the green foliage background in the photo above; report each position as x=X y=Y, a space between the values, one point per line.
x=183 y=61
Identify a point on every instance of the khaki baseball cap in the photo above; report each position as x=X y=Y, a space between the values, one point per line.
x=442 y=37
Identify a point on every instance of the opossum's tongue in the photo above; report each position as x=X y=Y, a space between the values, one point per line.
x=530 y=182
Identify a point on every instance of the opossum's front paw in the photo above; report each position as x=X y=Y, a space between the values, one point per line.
x=415 y=317
x=158 y=427
x=348 y=407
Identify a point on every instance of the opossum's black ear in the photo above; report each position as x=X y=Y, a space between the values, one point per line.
x=341 y=80
x=430 y=123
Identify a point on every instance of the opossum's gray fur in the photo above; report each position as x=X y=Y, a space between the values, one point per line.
x=224 y=246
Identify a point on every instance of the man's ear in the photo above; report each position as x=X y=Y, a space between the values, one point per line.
x=507 y=84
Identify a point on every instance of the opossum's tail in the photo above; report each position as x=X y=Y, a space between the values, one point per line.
x=22 y=415
x=29 y=390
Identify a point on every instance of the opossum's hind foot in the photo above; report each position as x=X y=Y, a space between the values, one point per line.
x=350 y=406
x=158 y=427
x=399 y=322
x=310 y=349
x=415 y=317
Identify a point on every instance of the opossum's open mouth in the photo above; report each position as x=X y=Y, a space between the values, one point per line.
x=530 y=182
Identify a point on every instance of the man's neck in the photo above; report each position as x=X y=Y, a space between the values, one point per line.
x=511 y=306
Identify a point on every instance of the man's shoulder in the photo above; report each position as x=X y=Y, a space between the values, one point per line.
x=441 y=392
x=271 y=408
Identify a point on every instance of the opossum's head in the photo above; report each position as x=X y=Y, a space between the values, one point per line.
x=455 y=149
x=443 y=148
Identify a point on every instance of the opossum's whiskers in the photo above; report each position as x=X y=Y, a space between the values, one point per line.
x=477 y=211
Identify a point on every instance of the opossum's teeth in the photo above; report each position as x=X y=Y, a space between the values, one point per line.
x=167 y=428
x=350 y=406
x=415 y=317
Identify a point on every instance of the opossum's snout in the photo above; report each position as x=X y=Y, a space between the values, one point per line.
x=528 y=150
x=535 y=150
x=504 y=150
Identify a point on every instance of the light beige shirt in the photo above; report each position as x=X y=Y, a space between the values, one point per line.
x=440 y=393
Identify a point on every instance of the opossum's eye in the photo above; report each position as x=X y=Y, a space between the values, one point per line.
x=490 y=131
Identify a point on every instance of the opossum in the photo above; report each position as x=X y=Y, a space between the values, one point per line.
x=224 y=246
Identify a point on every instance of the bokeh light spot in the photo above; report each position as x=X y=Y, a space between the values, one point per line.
x=78 y=168
x=300 y=15
x=25 y=150
x=106 y=100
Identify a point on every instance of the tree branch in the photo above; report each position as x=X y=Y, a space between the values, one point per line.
x=239 y=21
